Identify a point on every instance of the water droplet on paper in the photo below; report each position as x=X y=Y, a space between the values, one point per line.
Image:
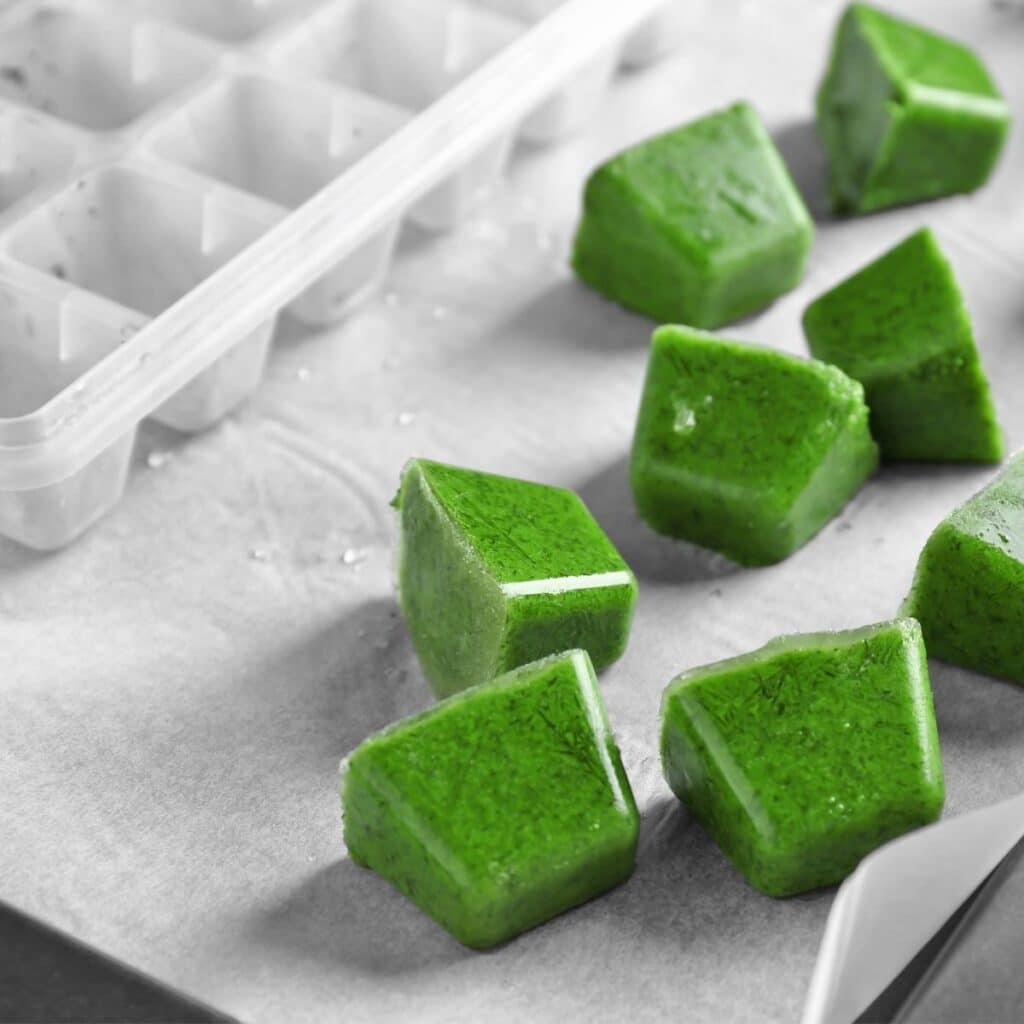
x=353 y=556
x=528 y=204
x=303 y=373
x=487 y=231
x=405 y=419
x=259 y=554
x=157 y=460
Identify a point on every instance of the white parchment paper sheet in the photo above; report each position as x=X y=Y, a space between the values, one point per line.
x=178 y=688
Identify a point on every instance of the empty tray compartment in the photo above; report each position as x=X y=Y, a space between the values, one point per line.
x=661 y=33
x=143 y=241
x=49 y=337
x=652 y=39
x=409 y=53
x=572 y=105
x=98 y=71
x=33 y=152
x=283 y=142
x=229 y=21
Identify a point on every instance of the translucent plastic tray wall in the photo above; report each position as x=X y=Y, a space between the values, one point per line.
x=176 y=173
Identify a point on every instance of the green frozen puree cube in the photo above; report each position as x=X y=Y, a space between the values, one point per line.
x=700 y=226
x=802 y=757
x=496 y=572
x=968 y=591
x=905 y=114
x=744 y=449
x=500 y=807
x=899 y=326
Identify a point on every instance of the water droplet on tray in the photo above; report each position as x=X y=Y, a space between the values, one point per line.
x=439 y=312
x=391 y=299
x=405 y=419
x=303 y=373
x=157 y=460
x=259 y=554
x=353 y=556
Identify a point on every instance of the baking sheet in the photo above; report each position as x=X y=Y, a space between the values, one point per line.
x=177 y=688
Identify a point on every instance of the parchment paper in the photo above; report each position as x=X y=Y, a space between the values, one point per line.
x=177 y=688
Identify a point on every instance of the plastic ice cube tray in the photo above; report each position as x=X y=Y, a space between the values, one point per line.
x=175 y=173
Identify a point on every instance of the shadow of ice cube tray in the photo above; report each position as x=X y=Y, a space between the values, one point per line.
x=176 y=173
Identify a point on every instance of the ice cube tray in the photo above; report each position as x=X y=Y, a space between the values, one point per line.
x=176 y=173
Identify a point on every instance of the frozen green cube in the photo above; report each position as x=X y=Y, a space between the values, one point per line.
x=700 y=226
x=500 y=807
x=899 y=326
x=802 y=757
x=905 y=114
x=744 y=449
x=496 y=572
x=968 y=591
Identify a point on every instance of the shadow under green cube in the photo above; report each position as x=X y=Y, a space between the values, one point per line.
x=968 y=591
x=702 y=225
x=496 y=572
x=900 y=327
x=500 y=807
x=905 y=114
x=804 y=756
x=743 y=449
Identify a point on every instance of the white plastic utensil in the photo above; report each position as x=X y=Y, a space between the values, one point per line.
x=898 y=899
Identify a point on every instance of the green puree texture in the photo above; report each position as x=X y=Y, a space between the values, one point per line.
x=743 y=449
x=496 y=572
x=802 y=757
x=899 y=326
x=700 y=226
x=968 y=591
x=905 y=114
x=500 y=807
